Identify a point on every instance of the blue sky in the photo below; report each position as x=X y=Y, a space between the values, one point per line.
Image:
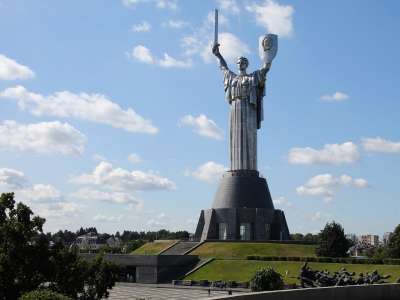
x=112 y=113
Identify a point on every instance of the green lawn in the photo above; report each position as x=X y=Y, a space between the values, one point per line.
x=243 y=270
x=241 y=250
x=152 y=248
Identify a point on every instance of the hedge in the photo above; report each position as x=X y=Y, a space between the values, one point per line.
x=43 y=295
x=342 y=260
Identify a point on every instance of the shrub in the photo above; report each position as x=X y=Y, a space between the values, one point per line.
x=332 y=241
x=266 y=280
x=43 y=295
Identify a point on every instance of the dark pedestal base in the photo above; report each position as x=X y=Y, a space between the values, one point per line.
x=265 y=224
x=242 y=203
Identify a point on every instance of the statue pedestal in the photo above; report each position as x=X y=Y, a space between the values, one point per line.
x=242 y=210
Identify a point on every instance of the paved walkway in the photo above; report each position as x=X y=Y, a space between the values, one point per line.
x=135 y=291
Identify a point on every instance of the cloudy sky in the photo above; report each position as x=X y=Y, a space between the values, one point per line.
x=112 y=113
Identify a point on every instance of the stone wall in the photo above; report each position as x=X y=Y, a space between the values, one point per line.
x=356 y=292
x=152 y=268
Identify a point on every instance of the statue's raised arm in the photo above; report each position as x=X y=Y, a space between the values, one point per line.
x=222 y=63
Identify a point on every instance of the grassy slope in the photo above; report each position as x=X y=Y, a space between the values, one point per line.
x=241 y=250
x=243 y=270
x=153 y=248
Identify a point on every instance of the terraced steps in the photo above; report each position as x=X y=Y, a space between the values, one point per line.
x=180 y=248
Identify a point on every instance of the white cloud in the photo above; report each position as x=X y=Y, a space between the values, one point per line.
x=110 y=219
x=379 y=144
x=209 y=22
x=317 y=216
x=170 y=4
x=200 y=41
x=231 y=48
x=134 y=158
x=170 y=62
x=281 y=202
x=208 y=172
x=320 y=217
x=175 y=24
x=98 y=157
x=144 y=26
x=131 y=3
x=360 y=183
x=274 y=17
x=11 y=70
x=323 y=185
x=230 y=6
x=335 y=97
x=160 y=220
x=12 y=179
x=123 y=180
x=45 y=193
x=192 y=45
x=45 y=200
x=89 y=107
x=59 y=210
x=90 y=194
x=45 y=137
x=143 y=54
x=330 y=154
x=202 y=126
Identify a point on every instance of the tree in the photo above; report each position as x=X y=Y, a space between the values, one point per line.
x=266 y=280
x=297 y=237
x=100 y=276
x=27 y=262
x=394 y=243
x=24 y=248
x=332 y=241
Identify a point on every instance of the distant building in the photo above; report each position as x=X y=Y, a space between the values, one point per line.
x=114 y=241
x=88 y=242
x=369 y=240
x=386 y=237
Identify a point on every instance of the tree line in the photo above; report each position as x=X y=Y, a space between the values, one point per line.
x=68 y=237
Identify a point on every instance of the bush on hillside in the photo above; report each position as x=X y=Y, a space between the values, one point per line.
x=332 y=241
x=266 y=280
x=43 y=295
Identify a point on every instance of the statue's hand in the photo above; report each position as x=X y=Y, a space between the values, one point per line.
x=215 y=50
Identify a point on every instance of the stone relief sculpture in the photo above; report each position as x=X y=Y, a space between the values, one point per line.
x=244 y=92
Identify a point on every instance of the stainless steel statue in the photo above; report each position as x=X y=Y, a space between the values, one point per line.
x=245 y=93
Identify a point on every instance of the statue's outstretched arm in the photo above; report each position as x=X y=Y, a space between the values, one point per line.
x=265 y=68
x=222 y=62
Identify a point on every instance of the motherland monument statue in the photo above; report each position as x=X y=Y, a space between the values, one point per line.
x=245 y=93
x=242 y=207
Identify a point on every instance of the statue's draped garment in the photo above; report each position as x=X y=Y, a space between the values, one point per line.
x=244 y=94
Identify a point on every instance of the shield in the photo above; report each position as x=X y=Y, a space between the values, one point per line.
x=271 y=44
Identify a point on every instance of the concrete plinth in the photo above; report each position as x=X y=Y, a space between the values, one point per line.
x=242 y=210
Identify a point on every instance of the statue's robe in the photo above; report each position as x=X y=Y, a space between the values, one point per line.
x=244 y=94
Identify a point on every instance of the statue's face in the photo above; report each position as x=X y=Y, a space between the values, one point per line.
x=242 y=64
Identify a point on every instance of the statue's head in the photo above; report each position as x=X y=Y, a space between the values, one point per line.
x=242 y=63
